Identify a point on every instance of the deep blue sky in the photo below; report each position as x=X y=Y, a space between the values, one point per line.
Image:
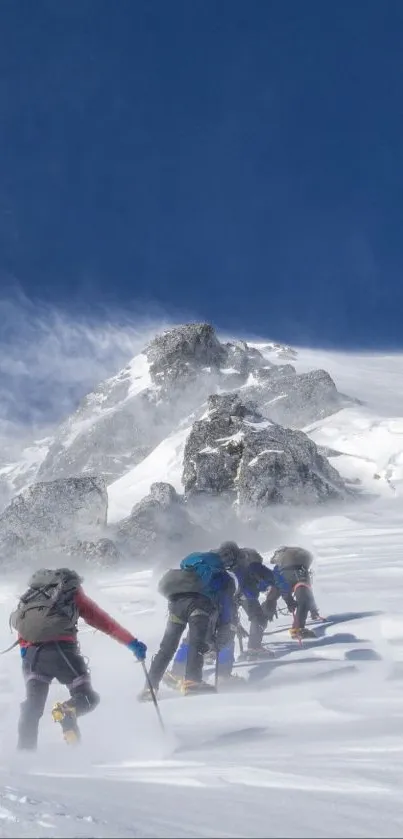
x=241 y=160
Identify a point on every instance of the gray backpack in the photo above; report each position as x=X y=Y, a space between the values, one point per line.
x=48 y=609
x=176 y=582
x=249 y=555
x=290 y=557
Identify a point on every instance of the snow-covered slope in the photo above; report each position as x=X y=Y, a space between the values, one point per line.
x=369 y=436
x=163 y=464
x=313 y=747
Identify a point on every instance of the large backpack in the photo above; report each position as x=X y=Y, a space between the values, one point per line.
x=47 y=610
x=290 y=557
x=249 y=556
x=209 y=567
x=253 y=575
x=177 y=581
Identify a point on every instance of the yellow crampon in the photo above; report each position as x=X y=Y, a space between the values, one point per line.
x=65 y=715
x=188 y=686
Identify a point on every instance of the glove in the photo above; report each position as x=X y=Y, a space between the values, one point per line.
x=138 y=648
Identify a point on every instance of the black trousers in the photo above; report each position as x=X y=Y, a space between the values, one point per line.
x=301 y=602
x=193 y=611
x=258 y=621
x=41 y=664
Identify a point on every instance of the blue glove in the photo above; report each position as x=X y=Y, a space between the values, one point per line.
x=138 y=648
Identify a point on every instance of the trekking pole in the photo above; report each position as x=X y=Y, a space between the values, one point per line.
x=153 y=696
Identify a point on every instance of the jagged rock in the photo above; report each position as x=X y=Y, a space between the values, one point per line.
x=235 y=451
x=50 y=512
x=295 y=399
x=183 y=351
x=103 y=552
x=274 y=372
x=158 y=524
x=242 y=358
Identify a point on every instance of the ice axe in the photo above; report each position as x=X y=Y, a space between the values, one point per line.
x=153 y=696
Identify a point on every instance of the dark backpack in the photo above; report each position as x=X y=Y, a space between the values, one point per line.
x=47 y=610
x=249 y=556
x=253 y=575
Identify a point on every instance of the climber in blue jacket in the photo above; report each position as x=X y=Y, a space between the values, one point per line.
x=252 y=579
x=200 y=593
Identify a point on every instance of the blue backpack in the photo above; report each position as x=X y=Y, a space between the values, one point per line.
x=209 y=568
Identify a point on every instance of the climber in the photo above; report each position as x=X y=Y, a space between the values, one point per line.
x=293 y=582
x=46 y=621
x=252 y=578
x=197 y=592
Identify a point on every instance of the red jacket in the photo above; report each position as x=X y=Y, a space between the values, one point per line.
x=92 y=614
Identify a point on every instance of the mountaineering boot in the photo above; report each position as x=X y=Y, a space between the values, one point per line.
x=299 y=634
x=171 y=681
x=65 y=714
x=188 y=686
x=254 y=654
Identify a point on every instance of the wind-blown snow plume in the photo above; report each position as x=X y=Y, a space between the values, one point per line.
x=50 y=358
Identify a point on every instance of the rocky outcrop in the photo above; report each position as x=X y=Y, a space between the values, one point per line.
x=51 y=513
x=127 y=416
x=235 y=452
x=182 y=352
x=295 y=399
x=158 y=525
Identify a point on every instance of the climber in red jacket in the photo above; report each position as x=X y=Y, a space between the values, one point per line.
x=46 y=621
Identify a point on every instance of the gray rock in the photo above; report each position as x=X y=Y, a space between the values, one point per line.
x=102 y=553
x=281 y=466
x=49 y=513
x=234 y=451
x=295 y=400
x=158 y=526
x=182 y=352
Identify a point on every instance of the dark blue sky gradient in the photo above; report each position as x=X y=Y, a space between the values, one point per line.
x=240 y=161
